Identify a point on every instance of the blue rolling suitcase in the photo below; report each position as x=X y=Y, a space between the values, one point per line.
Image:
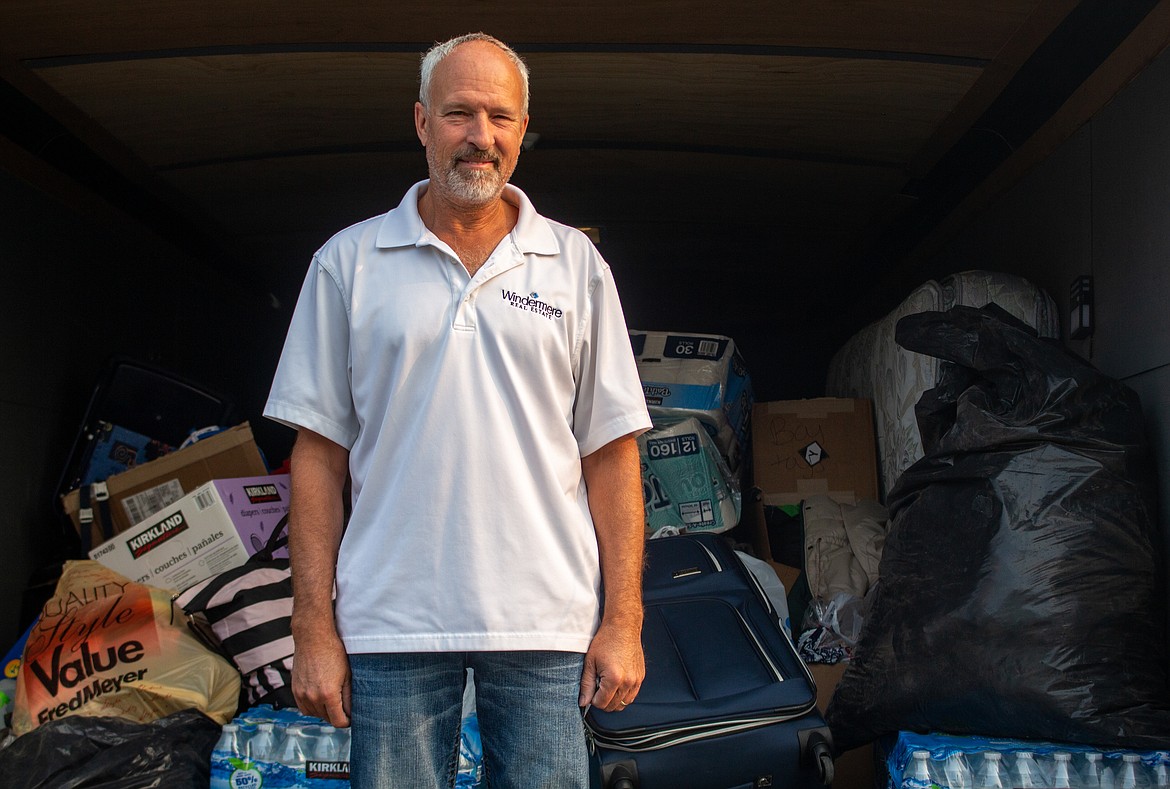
x=727 y=703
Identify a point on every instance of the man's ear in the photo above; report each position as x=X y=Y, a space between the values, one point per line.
x=420 y=122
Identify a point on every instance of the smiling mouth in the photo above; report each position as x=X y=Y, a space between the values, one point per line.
x=477 y=158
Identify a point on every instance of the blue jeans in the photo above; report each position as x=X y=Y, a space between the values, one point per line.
x=407 y=715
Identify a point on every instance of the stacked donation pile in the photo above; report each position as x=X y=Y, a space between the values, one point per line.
x=699 y=395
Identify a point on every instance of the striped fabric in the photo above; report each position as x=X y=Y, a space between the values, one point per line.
x=248 y=610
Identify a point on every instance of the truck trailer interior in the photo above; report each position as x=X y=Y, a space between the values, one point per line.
x=781 y=173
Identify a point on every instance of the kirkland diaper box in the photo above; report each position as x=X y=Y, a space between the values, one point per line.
x=701 y=376
x=823 y=445
x=213 y=528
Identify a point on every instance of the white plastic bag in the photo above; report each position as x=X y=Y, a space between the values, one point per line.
x=773 y=588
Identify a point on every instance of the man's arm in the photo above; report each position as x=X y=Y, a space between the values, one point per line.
x=320 y=676
x=614 y=665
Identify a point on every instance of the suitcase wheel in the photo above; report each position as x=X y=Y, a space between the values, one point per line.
x=620 y=775
x=825 y=768
x=816 y=748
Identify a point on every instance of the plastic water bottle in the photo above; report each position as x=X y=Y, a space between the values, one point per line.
x=1096 y=774
x=291 y=752
x=229 y=740
x=1026 y=773
x=263 y=743
x=227 y=747
x=918 y=776
x=1131 y=774
x=327 y=748
x=1161 y=771
x=990 y=774
x=470 y=772
x=956 y=772
x=1063 y=774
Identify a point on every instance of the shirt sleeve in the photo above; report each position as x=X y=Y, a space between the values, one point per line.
x=610 y=403
x=311 y=388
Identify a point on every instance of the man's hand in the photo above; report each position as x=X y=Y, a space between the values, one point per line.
x=320 y=678
x=614 y=668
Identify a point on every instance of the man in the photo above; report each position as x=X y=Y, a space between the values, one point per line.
x=466 y=362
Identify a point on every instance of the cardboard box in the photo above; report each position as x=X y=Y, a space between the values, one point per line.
x=701 y=376
x=823 y=445
x=215 y=527
x=139 y=492
x=255 y=506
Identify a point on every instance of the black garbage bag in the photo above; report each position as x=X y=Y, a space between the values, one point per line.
x=79 y=751
x=1021 y=590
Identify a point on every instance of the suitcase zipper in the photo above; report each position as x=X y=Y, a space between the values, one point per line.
x=759 y=646
x=714 y=560
x=684 y=734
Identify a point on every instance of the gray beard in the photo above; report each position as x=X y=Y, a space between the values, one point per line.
x=473 y=188
x=476 y=188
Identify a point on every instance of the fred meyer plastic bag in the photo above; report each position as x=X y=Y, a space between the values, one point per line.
x=106 y=646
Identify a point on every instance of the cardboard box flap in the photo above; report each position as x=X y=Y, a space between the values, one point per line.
x=814 y=408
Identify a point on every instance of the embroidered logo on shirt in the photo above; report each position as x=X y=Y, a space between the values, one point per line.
x=532 y=303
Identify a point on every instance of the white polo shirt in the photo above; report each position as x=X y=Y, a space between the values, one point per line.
x=466 y=404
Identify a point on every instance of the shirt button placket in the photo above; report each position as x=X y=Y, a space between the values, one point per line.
x=465 y=313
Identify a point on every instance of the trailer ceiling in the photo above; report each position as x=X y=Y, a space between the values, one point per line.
x=753 y=166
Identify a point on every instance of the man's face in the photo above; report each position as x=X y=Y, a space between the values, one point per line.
x=474 y=124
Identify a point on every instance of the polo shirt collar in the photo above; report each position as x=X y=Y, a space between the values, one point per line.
x=403 y=226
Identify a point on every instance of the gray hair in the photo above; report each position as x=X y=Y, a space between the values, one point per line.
x=438 y=52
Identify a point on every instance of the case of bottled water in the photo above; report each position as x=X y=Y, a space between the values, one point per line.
x=266 y=748
x=940 y=761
